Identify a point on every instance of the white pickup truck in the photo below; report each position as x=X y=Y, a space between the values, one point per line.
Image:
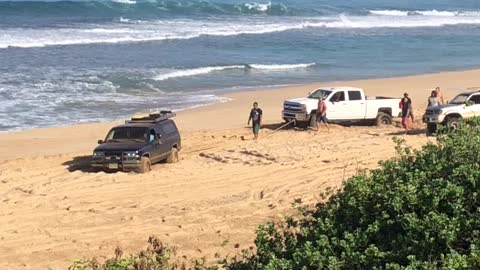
x=463 y=106
x=344 y=104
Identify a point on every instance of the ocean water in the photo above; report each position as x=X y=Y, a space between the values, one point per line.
x=64 y=62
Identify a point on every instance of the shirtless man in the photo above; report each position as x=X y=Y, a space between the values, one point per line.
x=322 y=113
x=440 y=95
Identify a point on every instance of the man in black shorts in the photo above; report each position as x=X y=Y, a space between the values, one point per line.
x=256 y=118
x=322 y=113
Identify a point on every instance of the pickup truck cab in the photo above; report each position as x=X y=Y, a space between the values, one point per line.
x=344 y=104
x=463 y=106
x=138 y=144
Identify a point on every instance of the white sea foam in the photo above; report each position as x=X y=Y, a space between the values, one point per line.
x=433 y=13
x=125 y=30
x=192 y=72
x=258 y=6
x=281 y=67
x=129 y=2
x=206 y=70
x=389 y=12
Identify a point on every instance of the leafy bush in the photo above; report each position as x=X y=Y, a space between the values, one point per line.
x=420 y=210
x=155 y=257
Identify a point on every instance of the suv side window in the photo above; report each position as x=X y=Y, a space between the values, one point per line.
x=354 y=95
x=475 y=99
x=339 y=96
x=169 y=128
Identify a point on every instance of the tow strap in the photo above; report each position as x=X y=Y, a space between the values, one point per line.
x=284 y=125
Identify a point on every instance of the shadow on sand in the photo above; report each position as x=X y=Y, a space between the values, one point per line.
x=410 y=132
x=80 y=163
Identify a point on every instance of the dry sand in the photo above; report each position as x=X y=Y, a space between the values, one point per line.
x=54 y=210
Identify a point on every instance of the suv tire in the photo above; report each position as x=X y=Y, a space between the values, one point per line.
x=313 y=120
x=173 y=156
x=302 y=124
x=452 y=122
x=145 y=165
x=383 y=119
x=431 y=129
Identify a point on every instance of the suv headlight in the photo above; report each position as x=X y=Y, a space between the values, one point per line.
x=131 y=154
x=437 y=112
x=99 y=154
x=304 y=107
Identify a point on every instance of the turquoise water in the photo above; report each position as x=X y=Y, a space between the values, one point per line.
x=66 y=62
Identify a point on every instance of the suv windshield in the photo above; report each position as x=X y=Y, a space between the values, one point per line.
x=320 y=93
x=460 y=99
x=122 y=134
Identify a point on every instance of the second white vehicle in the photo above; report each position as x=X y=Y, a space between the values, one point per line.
x=344 y=104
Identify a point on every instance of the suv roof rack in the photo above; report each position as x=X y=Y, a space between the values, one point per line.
x=152 y=117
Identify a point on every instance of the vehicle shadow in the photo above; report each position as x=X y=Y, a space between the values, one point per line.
x=80 y=163
x=410 y=132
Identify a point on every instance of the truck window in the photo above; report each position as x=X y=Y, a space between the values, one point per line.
x=339 y=96
x=475 y=99
x=169 y=128
x=460 y=99
x=127 y=134
x=320 y=93
x=354 y=95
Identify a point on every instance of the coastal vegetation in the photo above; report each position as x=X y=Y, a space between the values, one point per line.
x=420 y=210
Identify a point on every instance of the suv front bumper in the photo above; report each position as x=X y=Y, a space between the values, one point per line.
x=115 y=164
x=433 y=118
x=298 y=116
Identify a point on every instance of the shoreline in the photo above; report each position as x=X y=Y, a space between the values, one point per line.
x=233 y=113
x=226 y=93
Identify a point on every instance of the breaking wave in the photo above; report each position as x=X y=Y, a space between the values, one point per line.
x=140 y=8
x=434 y=12
x=206 y=70
x=124 y=30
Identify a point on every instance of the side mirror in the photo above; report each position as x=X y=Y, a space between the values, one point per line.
x=100 y=141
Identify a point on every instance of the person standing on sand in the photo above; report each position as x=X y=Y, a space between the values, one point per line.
x=405 y=95
x=433 y=100
x=440 y=95
x=406 y=106
x=256 y=118
x=322 y=113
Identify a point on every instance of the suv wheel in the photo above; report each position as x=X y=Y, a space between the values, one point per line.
x=383 y=119
x=313 y=120
x=431 y=129
x=173 y=156
x=453 y=123
x=145 y=165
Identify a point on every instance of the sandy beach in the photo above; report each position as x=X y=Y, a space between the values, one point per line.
x=54 y=210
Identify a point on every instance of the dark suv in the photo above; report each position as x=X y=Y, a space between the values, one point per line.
x=139 y=143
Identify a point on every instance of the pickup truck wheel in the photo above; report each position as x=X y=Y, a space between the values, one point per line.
x=173 y=156
x=453 y=123
x=145 y=165
x=313 y=120
x=431 y=129
x=383 y=119
x=302 y=124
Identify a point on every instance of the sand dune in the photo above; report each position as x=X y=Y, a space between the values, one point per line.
x=55 y=209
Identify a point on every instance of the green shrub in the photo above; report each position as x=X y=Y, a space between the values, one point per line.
x=420 y=210
x=155 y=257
